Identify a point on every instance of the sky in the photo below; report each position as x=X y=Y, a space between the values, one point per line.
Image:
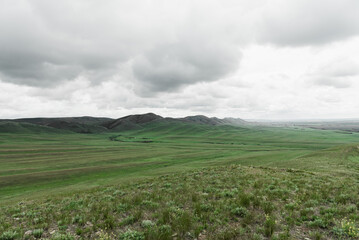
x=251 y=59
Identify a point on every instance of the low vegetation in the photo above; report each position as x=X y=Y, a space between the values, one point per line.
x=48 y=163
x=180 y=182
x=210 y=203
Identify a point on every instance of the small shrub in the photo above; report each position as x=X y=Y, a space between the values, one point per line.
x=109 y=222
x=290 y=206
x=183 y=223
x=165 y=216
x=228 y=233
x=118 y=193
x=122 y=207
x=351 y=208
x=147 y=223
x=105 y=236
x=132 y=235
x=244 y=200
x=227 y=193
x=342 y=198
x=129 y=220
x=318 y=222
x=37 y=233
x=149 y=204
x=306 y=214
x=269 y=226
x=284 y=236
x=8 y=235
x=204 y=207
x=268 y=207
x=349 y=228
x=239 y=212
x=316 y=235
x=59 y=236
x=79 y=231
x=77 y=219
x=165 y=232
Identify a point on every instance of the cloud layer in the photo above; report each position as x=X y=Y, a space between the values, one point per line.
x=252 y=59
x=306 y=22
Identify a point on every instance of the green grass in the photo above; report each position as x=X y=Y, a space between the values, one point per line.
x=210 y=203
x=31 y=164
x=258 y=183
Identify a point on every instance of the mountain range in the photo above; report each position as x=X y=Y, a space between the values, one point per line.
x=88 y=124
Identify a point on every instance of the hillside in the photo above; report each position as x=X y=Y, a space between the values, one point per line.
x=23 y=128
x=31 y=163
x=80 y=120
x=232 y=202
x=131 y=122
x=73 y=124
x=172 y=179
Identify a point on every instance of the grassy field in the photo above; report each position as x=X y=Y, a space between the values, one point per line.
x=259 y=183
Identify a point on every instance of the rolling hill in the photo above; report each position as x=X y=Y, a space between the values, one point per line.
x=149 y=177
x=24 y=127
x=102 y=125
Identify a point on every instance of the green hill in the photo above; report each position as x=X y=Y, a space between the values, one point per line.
x=131 y=122
x=175 y=179
x=23 y=128
x=232 y=202
x=31 y=163
x=73 y=124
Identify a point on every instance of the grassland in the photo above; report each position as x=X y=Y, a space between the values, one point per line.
x=149 y=183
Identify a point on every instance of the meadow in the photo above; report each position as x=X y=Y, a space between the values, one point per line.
x=180 y=181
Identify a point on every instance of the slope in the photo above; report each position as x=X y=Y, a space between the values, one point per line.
x=26 y=128
x=228 y=202
x=74 y=124
x=50 y=163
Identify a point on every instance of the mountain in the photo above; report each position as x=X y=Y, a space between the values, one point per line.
x=23 y=127
x=99 y=125
x=81 y=120
x=74 y=124
x=200 y=119
x=235 y=121
x=132 y=121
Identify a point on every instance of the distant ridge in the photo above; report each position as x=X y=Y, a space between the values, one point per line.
x=84 y=124
x=235 y=121
x=88 y=124
x=81 y=120
x=131 y=121
x=23 y=127
x=200 y=119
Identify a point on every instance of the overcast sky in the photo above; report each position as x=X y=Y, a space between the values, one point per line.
x=253 y=59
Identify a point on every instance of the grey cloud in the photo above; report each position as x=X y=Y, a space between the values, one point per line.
x=167 y=67
x=42 y=46
x=201 y=50
x=38 y=74
x=180 y=55
x=45 y=44
x=307 y=22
